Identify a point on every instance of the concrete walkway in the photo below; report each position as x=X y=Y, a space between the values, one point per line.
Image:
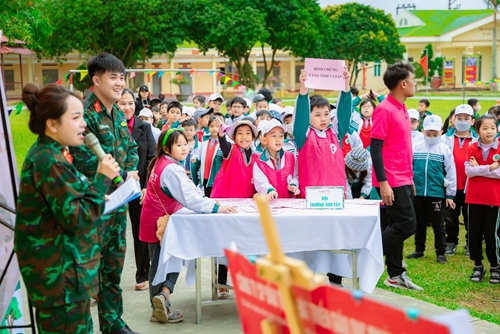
x=224 y=318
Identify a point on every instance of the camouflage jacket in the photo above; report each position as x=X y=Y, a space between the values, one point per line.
x=111 y=129
x=56 y=239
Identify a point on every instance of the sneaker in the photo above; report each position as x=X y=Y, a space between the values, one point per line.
x=142 y=286
x=402 y=282
x=415 y=255
x=451 y=249
x=442 y=259
x=495 y=275
x=477 y=274
x=403 y=264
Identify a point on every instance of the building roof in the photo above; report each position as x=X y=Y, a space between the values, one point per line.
x=440 y=22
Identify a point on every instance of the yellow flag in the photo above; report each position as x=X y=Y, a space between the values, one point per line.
x=226 y=80
x=152 y=73
x=83 y=74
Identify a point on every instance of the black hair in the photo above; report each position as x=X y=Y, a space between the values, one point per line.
x=155 y=109
x=426 y=102
x=275 y=100
x=128 y=91
x=44 y=103
x=472 y=102
x=495 y=110
x=262 y=113
x=480 y=120
x=103 y=63
x=174 y=104
x=446 y=122
x=365 y=101
x=200 y=99
x=249 y=118
x=352 y=175
x=229 y=103
x=354 y=91
x=160 y=151
x=263 y=100
x=290 y=115
x=239 y=100
x=155 y=103
x=217 y=114
x=163 y=103
x=318 y=101
x=267 y=94
x=397 y=72
x=211 y=120
x=189 y=122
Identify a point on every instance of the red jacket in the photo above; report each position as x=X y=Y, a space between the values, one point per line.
x=480 y=189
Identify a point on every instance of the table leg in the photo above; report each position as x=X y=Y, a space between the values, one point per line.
x=355 y=278
x=198 y=291
x=214 y=279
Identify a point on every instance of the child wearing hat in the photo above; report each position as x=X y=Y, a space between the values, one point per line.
x=147 y=116
x=201 y=116
x=416 y=135
x=435 y=183
x=215 y=102
x=458 y=140
x=358 y=170
x=142 y=100
x=275 y=172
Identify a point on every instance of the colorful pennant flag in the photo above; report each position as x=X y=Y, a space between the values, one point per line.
x=235 y=83
x=221 y=75
x=423 y=63
x=160 y=74
x=83 y=74
x=66 y=76
x=179 y=77
x=152 y=73
x=147 y=72
x=178 y=73
x=191 y=71
x=131 y=75
x=211 y=72
x=59 y=82
x=200 y=73
x=19 y=108
x=226 y=80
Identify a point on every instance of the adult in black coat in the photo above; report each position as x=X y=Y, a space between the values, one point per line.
x=143 y=135
x=142 y=100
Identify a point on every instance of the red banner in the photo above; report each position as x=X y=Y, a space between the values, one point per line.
x=471 y=64
x=325 y=310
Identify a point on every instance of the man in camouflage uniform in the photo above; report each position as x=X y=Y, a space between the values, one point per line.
x=56 y=238
x=109 y=125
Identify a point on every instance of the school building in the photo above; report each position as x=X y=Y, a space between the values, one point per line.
x=459 y=35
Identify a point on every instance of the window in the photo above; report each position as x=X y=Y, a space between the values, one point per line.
x=297 y=72
x=410 y=60
x=9 y=80
x=403 y=22
x=50 y=76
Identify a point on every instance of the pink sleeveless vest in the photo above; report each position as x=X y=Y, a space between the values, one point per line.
x=234 y=179
x=152 y=209
x=321 y=162
x=279 y=178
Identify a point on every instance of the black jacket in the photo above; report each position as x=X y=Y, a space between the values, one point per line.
x=140 y=104
x=143 y=136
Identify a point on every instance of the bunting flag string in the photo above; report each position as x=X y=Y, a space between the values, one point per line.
x=235 y=83
x=226 y=80
x=66 y=76
x=83 y=74
x=178 y=73
x=59 y=82
x=152 y=73
x=147 y=72
x=211 y=72
x=200 y=73
x=191 y=71
x=131 y=75
x=160 y=73
x=19 y=108
x=221 y=75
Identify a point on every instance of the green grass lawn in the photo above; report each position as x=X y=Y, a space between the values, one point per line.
x=446 y=285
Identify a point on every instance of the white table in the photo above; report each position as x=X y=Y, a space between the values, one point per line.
x=310 y=235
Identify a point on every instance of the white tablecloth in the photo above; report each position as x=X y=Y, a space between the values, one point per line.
x=303 y=234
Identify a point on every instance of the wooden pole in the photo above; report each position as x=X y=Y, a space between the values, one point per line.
x=21 y=69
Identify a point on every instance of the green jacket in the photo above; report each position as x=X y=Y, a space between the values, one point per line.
x=198 y=167
x=56 y=238
x=111 y=129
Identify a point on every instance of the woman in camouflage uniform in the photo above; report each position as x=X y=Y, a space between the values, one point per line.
x=55 y=233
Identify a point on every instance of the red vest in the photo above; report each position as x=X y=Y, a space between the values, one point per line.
x=365 y=133
x=152 y=208
x=460 y=157
x=279 y=178
x=234 y=180
x=483 y=190
x=321 y=162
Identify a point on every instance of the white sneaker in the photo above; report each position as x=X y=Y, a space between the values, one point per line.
x=402 y=282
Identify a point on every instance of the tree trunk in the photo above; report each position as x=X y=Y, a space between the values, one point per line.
x=268 y=71
x=353 y=64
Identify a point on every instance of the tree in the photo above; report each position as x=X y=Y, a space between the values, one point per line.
x=292 y=25
x=233 y=28
x=13 y=312
x=22 y=20
x=132 y=30
x=357 y=32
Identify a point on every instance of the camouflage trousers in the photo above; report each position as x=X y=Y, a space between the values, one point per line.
x=109 y=298
x=70 y=318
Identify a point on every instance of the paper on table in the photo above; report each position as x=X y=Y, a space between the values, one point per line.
x=125 y=193
x=325 y=74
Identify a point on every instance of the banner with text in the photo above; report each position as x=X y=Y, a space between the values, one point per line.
x=449 y=71
x=471 y=65
x=325 y=74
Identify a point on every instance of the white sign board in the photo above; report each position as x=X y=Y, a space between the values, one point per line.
x=325 y=198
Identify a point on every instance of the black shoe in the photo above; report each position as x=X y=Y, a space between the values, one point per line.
x=442 y=259
x=451 y=249
x=415 y=255
x=124 y=330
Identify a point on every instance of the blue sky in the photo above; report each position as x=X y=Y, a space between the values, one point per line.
x=390 y=5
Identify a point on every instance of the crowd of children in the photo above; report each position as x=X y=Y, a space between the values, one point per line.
x=273 y=150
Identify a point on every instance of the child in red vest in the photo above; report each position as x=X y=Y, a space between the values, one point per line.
x=483 y=196
x=365 y=128
x=169 y=190
x=275 y=172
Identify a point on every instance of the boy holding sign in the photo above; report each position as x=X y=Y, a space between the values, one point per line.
x=320 y=159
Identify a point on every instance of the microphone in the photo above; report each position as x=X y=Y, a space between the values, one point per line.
x=93 y=143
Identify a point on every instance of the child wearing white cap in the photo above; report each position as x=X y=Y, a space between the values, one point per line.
x=435 y=183
x=416 y=135
x=458 y=140
x=215 y=102
x=147 y=116
x=275 y=172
